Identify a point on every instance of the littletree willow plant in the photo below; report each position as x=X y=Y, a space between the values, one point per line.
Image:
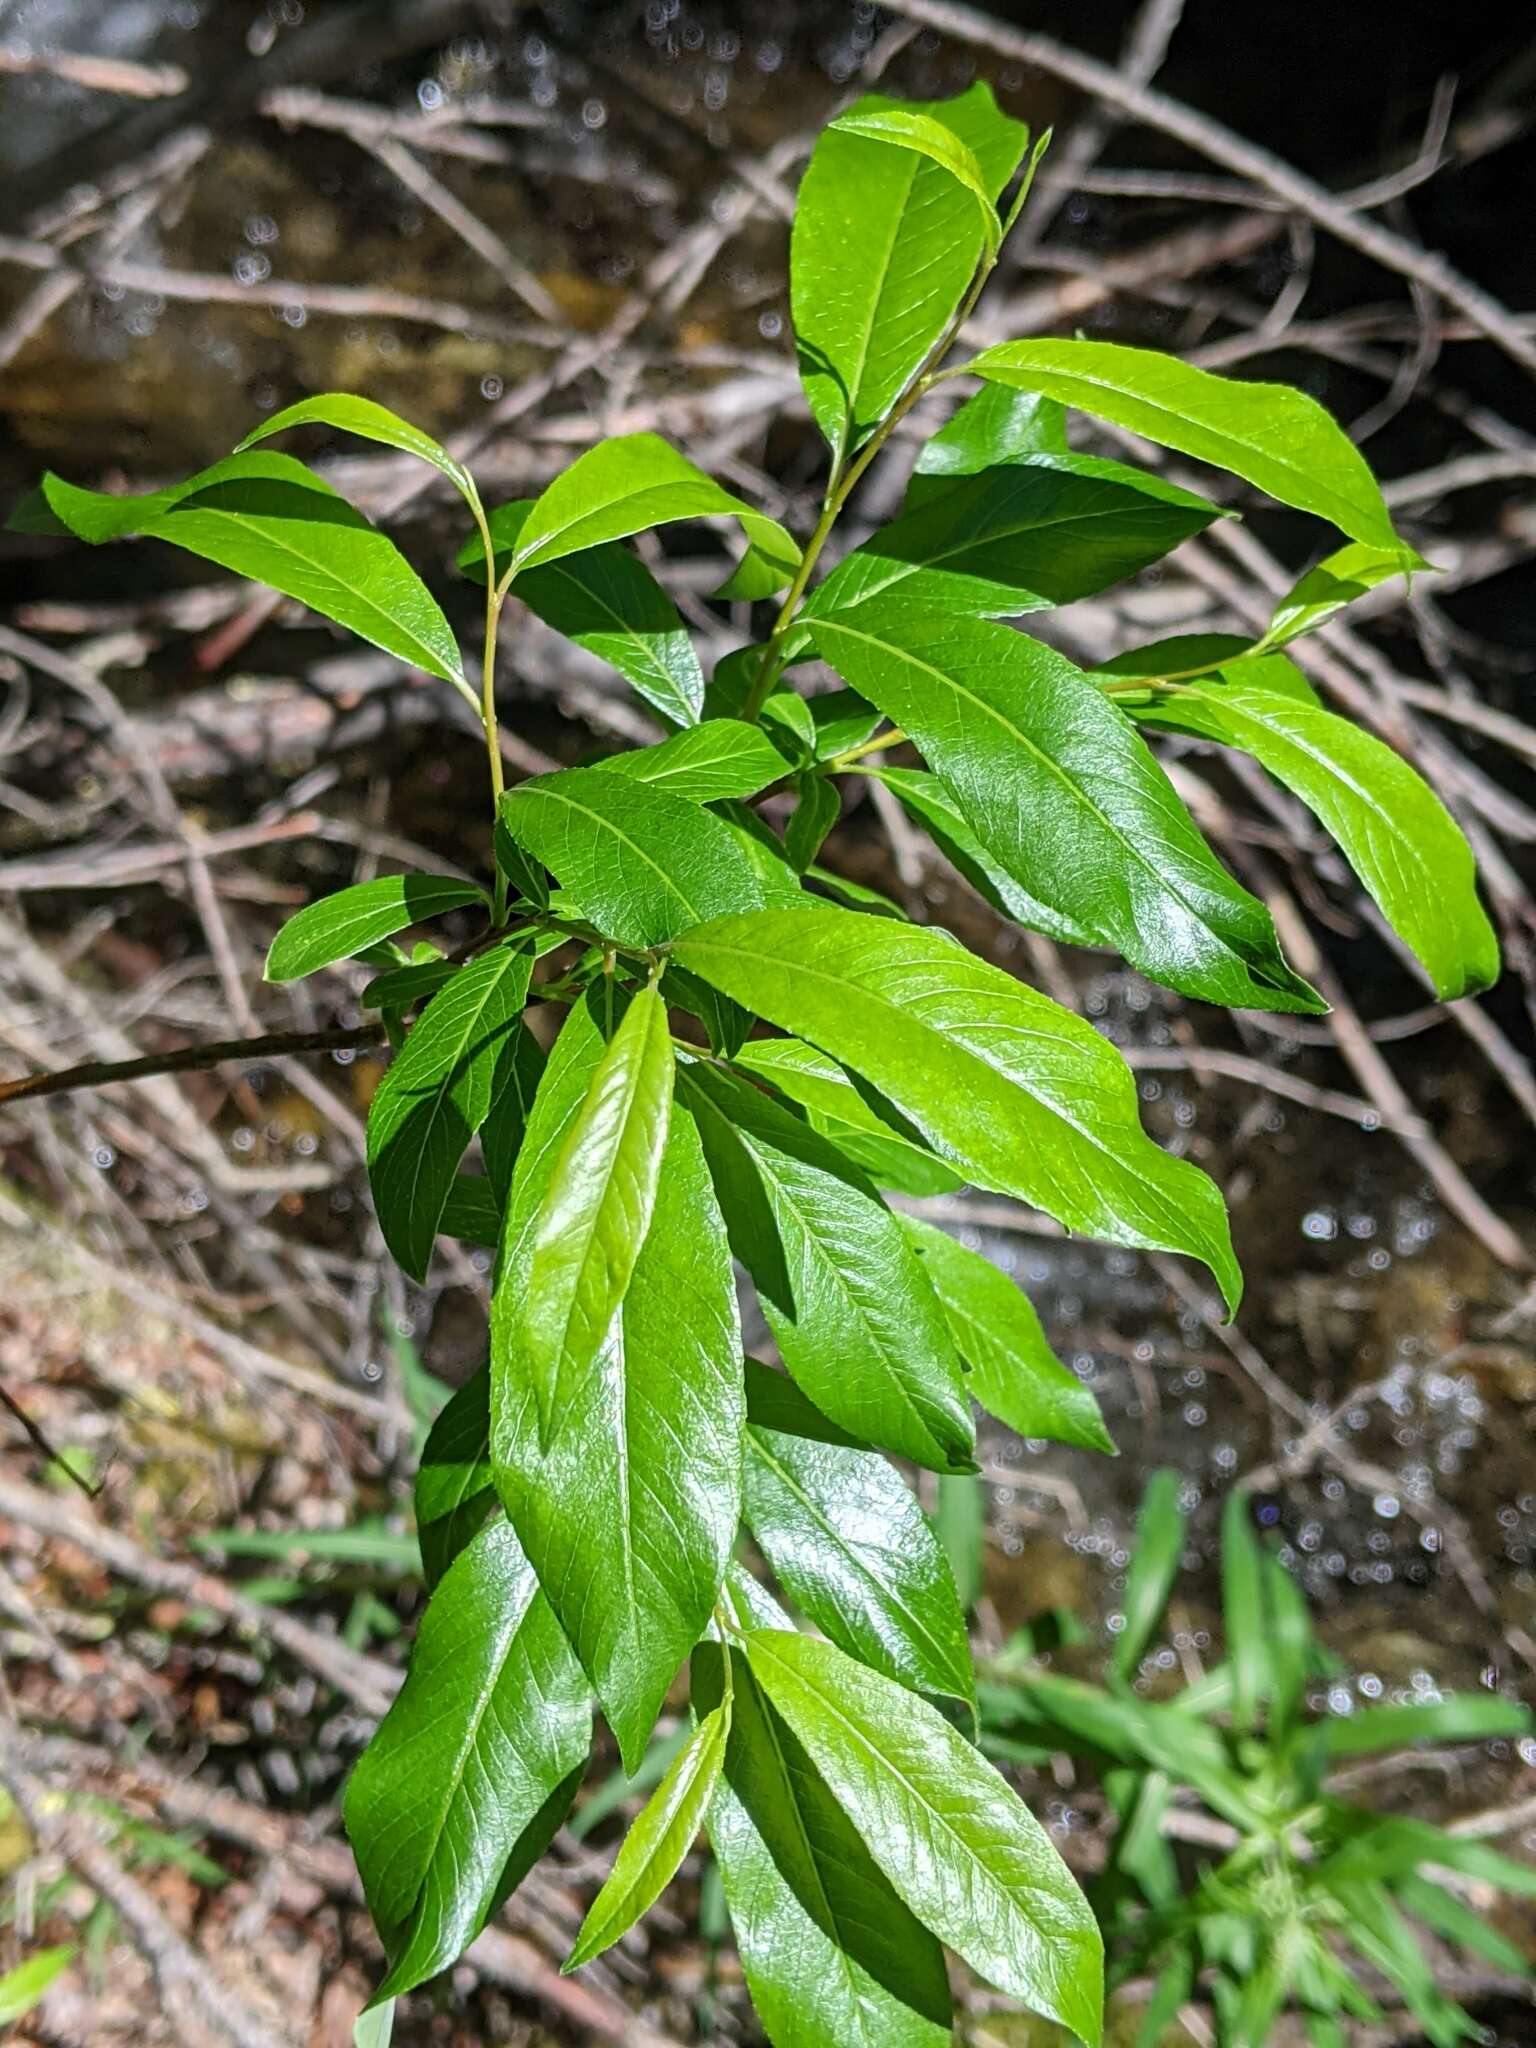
x=579 y=1501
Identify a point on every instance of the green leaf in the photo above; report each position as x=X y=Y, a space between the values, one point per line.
x=643 y=863
x=775 y=1403
x=21 y=1988
x=1454 y=1921
x=720 y=758
x=1349 y=572
x=268 y=517
x=816 y=811
x=851 y=1547
x=609 y=603
x=928 y=803
x=374 y=423
x=960 y=1523
x=490 y=1725
x=630 y=1515
x=472 y=1211
x=830 y=1953
x=1022 y=1096
x=1273 y=437
x=1014 y=1373
x=865 y=1130
x=1154 y=1566
x=1027 y=535
x=658 y=1840
x=375 y=2027
x=1066 y=798
x=993 y=427
x=515 y=1084
x=436 y=1094
x=884 y=244
x=455 y=1490
x=1293 y=1650
x=855 y=1319
x=904 y=128
x=957 y=1844
x=1396 y=834
x=1244 y=1610
x=1465 y=1717
x=625 y=486
x=354 y=919
x=406 y=988
x=597 y=1208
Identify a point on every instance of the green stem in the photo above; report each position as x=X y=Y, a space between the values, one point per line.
x=494 y=596
x=882 y=740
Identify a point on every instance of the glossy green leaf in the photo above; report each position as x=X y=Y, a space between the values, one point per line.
x=929 y=803
x=643 y=863
x=21 y=1988
x=1396 y=834
x=1014 y=1373
x=630 y=1515
x=775 y=1403
x=720 y=758
x=374 y=422
x=268 y=517
x=1066 y=798
x=955 y=1841
x=1244 y=1610
x=1272 y=436
x=658 y=1839
x=1349 y=572
x=1030 y=534
x=1154 y=1565
x=606 y=601
x=993 y=427
x=903 y=128
x=960 y=1523
x=884 y=244
x=515 y=1084
x=624 y=486
x=486 y=1733
x=406 y=988
x=849 y=1544
x=436 y=1094
x=865 y=1129
x=455 y=1490
x=596 y=1209
x=830 y=1953
x=851 y=1310
x=354 y=919
x=815 y=813
x=1018 y=1093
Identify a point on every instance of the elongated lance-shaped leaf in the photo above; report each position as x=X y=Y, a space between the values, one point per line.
x=720 y=758
x=849 y=1305
x=1067 y=799
x=437 y=1093
x=455 y=1490
x=266 y=516
x=851 y=1547
x=1014 y=1373
x=642 y=863
x=1022 y=1096
x=994 y=426
x=472 y=1768
x=597 y=1207
x=374 y=422
x=904 y=128
x=1018 y=538
x=1273 y=437
x=1395 y=832
x=608 y=602
x=1244 y=1610
x=630 y=1515
x=658 y=1840
x=865 y=1130
x=829 y=1951
x=624 y=486
x=1154 y=1564
x=956 y=1842
x=1349 y=572
x=354 y=919
x=884 y=244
